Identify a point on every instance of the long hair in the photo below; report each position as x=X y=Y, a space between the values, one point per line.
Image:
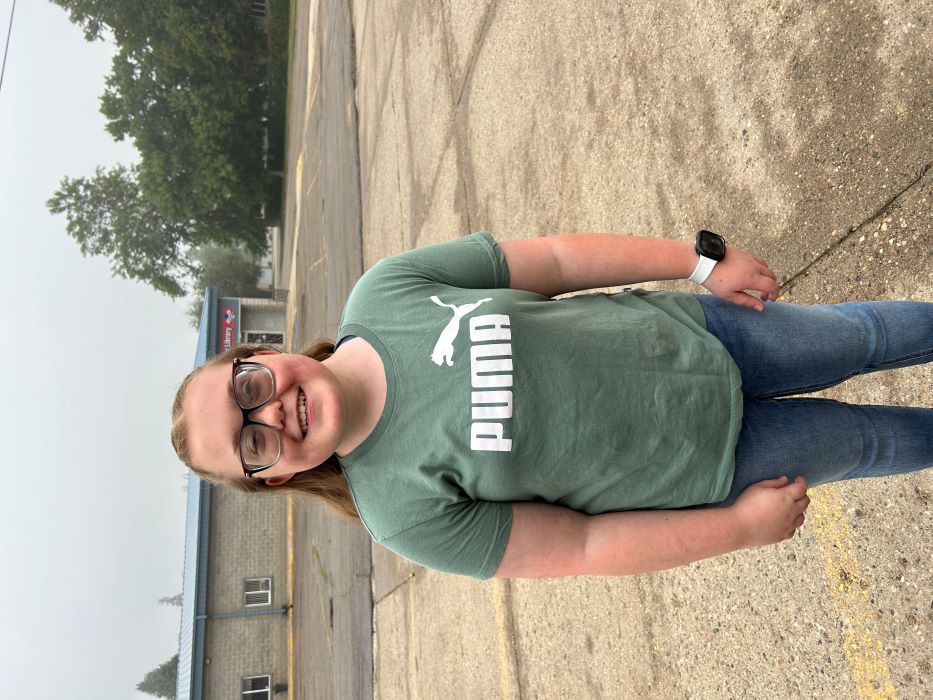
x=325 y=481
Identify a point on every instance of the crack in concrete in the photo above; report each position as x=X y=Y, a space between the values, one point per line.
x=410 y=579
x=512 y=635
x=789 y=283
x=353 y=71
x=464 y=163
x=491 y=10
x=398 y=176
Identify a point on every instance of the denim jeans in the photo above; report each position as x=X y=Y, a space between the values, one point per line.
x=792 y=349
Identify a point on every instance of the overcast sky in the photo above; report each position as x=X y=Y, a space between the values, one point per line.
x=92 y=522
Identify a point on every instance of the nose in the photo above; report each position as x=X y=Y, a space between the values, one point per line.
x=271 y=414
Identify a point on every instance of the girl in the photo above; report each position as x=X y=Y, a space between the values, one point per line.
x=478 y=426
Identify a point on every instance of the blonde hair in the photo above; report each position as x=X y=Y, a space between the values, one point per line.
x=325 y=481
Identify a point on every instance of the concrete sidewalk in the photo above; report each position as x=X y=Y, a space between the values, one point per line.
x=800 y=132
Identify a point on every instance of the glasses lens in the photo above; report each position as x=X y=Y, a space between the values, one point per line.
x=260 y=445
x=253 y=385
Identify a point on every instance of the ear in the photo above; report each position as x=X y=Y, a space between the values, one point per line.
x=278 y=480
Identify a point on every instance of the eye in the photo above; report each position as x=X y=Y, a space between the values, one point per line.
x=246 y=389
x=250 y=445
x=256 y=443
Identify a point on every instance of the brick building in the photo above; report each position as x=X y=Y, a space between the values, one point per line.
x=234 y=632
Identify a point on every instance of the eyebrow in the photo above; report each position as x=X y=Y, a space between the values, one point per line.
x=236 y=436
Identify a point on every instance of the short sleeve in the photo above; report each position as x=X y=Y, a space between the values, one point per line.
x=470 y=262
x=468 y=538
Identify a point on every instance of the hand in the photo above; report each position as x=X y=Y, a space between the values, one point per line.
x=738 y=271
x=771 y=511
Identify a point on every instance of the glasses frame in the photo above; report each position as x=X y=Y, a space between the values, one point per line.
x=248 y=470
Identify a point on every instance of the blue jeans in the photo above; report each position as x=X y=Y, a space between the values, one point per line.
x=792 y=349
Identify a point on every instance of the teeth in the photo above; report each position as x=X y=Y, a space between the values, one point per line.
x=303 y=412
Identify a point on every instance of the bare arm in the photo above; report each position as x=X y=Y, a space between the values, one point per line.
x=550 y=540
x=558 y=264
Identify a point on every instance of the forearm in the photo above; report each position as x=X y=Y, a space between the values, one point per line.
x=635 y=542
x=555 y=265
x=549 y=540
x=591 y=260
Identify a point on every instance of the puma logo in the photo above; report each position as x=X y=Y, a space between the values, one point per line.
x=444 y=348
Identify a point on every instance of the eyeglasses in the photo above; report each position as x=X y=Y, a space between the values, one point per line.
x=260 y=444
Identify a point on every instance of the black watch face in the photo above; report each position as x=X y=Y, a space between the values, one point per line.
x=711 y=245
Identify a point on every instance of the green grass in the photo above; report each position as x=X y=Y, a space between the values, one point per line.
x=281 y=48
x=291 y=58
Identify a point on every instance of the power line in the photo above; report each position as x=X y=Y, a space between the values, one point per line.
x=9 y=33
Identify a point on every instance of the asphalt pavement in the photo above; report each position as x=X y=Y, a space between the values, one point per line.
x=802 y=132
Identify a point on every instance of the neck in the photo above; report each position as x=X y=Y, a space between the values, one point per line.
x=358 y=370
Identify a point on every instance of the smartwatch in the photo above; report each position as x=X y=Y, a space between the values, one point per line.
x=711 y=247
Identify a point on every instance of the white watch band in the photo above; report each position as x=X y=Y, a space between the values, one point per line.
x=702 y=270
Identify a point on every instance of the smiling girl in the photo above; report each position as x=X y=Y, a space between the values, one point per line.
x=477 y=425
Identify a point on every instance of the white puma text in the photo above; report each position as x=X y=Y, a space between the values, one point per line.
x=490 y=373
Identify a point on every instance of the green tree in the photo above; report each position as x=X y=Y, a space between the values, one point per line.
x=234 y=273
x=95 y=16
x=187 y=86
x=162 y=681
x=109 y=215
x=189 y=34
x=230 y=270
x=200 y=141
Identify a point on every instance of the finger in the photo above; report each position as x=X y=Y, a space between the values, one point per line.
x=739 y=298
x=767 y=272
x=761 y=262
x=747 y=300
x=797 y=488
x=767 y=288
x=798 y=522
x=774 y=288
x=766 y=281
x=773 y=483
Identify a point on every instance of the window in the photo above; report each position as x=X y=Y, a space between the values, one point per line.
x=267 y=337
x=256 y=688
x=257 y=591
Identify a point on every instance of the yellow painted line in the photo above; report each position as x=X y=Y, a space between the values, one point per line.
x=412 y=662
x=497 y=587
x=312 y=48
x=291 y=600
x=850 y=592
x=299 y=169
x=293 y=273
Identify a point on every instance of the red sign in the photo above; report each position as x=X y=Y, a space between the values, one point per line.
x=227 y=328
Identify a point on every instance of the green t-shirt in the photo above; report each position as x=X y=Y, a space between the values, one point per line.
x=601 y=402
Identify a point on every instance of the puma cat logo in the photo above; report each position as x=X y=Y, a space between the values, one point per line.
x=444 y=348
x=491 y=378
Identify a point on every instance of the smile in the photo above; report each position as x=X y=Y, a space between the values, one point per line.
x=302 y=412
